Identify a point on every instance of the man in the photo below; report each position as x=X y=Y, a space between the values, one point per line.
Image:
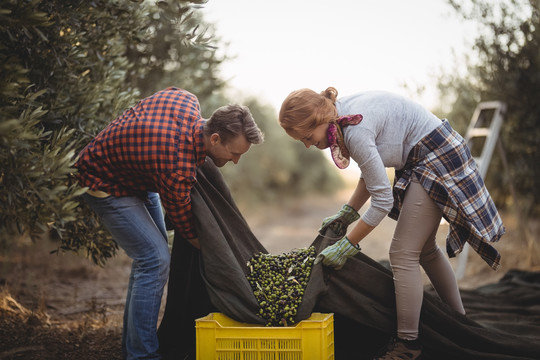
x=148 y=155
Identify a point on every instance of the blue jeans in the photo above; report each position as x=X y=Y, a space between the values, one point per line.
x=138 y=227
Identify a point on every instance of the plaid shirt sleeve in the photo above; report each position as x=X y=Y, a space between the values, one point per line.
x=176 y=198
x=155 y=146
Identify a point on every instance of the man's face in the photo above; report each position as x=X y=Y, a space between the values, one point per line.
x=221 y=153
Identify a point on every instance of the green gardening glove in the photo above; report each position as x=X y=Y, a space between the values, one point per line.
x=338 y=223
x=337 y=254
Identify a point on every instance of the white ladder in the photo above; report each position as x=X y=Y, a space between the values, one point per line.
x=481 y=137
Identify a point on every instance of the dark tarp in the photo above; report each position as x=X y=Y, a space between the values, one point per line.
x=502 y=321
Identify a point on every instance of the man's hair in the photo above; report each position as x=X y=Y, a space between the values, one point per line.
x=232 y=120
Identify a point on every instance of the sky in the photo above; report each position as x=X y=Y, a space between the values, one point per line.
x=353 y=45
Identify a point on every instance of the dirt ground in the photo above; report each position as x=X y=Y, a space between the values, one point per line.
x=63 y=307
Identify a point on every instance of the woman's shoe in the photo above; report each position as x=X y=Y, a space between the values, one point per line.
x=399 y=349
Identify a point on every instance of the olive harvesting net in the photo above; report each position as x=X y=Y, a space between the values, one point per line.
x=219 y=278
x=278 y=283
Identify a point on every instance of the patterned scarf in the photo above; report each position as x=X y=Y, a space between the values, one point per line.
x=340 y=153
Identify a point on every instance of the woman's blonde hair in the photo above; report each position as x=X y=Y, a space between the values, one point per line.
x=304 y=110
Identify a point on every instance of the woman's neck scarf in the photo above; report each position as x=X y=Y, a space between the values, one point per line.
x=340 y=153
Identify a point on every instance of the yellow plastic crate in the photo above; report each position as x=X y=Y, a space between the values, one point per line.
x=222 y=338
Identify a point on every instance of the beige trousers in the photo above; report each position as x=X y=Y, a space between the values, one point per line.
x=414 y=244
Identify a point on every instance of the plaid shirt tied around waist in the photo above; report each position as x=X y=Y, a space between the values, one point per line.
x=443 y=164
x=155 y=146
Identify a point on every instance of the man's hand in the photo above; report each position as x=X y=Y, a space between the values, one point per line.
x=337 y=254
x=341 y=221
x=195 y=243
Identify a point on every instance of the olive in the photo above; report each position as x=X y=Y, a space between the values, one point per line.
x=278 y=283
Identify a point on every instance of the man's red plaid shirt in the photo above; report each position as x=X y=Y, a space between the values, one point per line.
x=154 y=146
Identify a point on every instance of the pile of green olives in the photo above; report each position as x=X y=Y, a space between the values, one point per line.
x=278 y=283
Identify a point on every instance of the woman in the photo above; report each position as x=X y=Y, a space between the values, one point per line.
x=435 y=176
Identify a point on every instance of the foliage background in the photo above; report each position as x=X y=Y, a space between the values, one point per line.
x=67 y=68
x=504 y=65
x=70 y=67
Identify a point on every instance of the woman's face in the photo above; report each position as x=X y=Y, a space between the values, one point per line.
x=316 y=137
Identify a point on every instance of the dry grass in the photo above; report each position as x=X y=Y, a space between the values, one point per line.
x=64 y=307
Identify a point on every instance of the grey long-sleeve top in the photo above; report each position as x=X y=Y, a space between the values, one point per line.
x=391 y=126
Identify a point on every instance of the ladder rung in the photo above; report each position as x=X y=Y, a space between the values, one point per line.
x=478 y=132
x=491 y=105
